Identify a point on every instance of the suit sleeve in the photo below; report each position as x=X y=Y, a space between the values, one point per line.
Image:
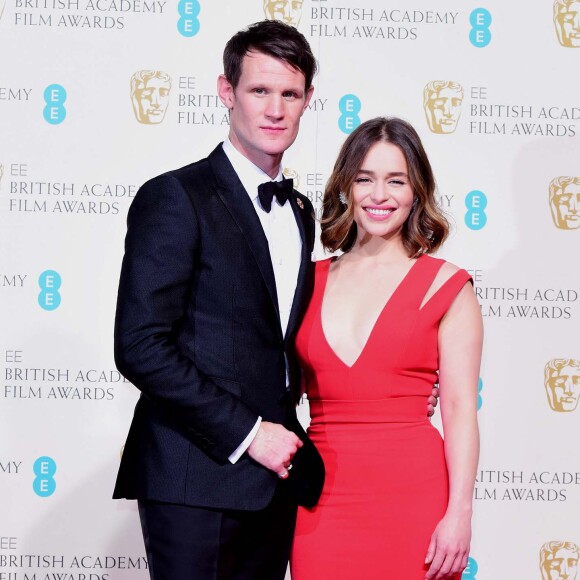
x=158 y=269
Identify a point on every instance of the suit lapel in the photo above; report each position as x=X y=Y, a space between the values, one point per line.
x=304 y=226
x=240 y=207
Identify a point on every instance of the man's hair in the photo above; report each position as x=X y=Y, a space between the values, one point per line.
x=426 y=227
x=273 y=38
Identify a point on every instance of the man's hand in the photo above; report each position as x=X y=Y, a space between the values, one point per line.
x=432 y=401
x=274 y=447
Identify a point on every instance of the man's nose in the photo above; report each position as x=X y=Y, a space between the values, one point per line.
x=575 y=203
x=275 y=107
x=155 y=99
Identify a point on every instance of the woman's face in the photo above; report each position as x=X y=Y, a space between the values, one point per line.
x=382 y=194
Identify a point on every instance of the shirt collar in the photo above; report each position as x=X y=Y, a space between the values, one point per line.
x=249 y=174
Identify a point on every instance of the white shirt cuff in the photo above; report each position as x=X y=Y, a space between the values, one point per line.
x=245 y=443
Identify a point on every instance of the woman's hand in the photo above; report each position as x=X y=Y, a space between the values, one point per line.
x=449 y=547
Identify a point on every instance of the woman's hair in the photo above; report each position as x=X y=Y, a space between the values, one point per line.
x=425 y=229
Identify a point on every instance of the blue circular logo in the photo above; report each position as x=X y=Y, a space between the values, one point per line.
x=480 y=20
x=475 y=217
x=44 y=484
x=349 y=106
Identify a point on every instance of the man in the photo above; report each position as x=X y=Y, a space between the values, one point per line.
x=215 y=280
x=288 y=11
x=150 y=95
x=212 y=289
x=442 y=103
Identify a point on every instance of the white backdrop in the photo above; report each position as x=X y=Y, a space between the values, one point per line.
x=492 y=91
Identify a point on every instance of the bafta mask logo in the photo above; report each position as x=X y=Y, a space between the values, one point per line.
x=562 y=382
x=288 y=11
x=442 y=103
x=559 y=560
x=150 y=95
x=292 y=174
x=565 y=202
x=567 y=22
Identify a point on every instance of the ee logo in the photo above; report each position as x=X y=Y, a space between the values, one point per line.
x=479 y=389
x=49 y=296
x=480 y=20
x=44 y=484
x=475 y=217
x=349 y=106
x=54 y=111
x=188 y=23
x=471 y=570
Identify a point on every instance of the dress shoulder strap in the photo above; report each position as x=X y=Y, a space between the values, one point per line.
x=419 y=280
x=442 y=299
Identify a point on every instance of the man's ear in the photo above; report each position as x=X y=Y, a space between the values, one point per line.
x=225 y=91
x=308 y=97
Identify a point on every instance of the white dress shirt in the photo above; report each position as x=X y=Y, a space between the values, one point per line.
x=284 y=243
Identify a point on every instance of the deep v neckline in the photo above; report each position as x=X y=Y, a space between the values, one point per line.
x=376 y=322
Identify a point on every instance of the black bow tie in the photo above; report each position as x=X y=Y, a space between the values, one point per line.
x=281 y=189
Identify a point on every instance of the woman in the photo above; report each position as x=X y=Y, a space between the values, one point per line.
x=386 y=323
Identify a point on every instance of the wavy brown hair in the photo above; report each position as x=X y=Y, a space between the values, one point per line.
x=425 y=229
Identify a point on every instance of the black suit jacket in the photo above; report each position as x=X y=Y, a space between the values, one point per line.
x=197 y=331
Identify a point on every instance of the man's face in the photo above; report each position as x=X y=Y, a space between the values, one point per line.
x=564 y=388
x=568 y=24
x=566 y=206
x=562 y=566
x=265 y=108
x=288 y=11
x=152 y=98
x=444 y=109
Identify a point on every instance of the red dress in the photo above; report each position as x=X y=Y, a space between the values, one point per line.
x=386 y=482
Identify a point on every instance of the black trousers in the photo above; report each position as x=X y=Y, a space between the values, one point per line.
x=190 y=543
